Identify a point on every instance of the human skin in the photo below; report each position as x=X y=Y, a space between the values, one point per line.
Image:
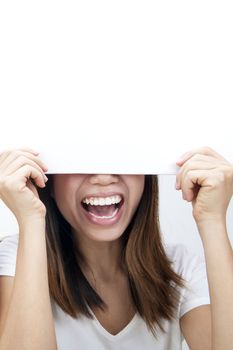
x=99 y=244
x=206 y=179
x=26 y=310
x=210 y=199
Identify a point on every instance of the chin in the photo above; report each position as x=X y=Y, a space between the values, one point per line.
x=104 y=236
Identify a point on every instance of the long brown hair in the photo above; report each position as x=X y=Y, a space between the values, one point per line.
x=153 y=283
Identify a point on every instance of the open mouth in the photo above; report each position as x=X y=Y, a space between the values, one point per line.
x=104 y=211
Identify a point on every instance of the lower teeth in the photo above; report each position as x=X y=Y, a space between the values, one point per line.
x=105 y=217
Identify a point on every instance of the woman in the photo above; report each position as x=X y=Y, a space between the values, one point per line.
x=93 y=273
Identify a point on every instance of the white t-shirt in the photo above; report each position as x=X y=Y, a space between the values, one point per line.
x=84 y=333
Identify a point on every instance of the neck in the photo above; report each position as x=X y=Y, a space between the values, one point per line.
x=102 y=259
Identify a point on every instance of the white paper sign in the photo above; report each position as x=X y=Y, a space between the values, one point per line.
x=116 y=86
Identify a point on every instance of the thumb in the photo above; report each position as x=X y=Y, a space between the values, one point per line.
x=32 y=187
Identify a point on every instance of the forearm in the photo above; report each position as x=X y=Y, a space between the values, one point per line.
x=219 y=264
x=29 y=323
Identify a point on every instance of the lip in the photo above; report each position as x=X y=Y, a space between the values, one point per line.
x=104 y=222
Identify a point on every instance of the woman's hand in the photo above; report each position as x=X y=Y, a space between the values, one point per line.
x=206 y=179
x=16 y=189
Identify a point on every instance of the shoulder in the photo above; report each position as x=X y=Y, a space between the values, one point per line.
x=192 y=267
x=183 y=260
x=8 y=254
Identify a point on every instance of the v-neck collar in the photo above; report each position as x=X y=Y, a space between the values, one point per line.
x=120 y=334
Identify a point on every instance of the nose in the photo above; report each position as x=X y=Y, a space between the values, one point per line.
x=103 y=179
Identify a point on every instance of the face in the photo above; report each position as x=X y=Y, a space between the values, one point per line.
x=101 y=217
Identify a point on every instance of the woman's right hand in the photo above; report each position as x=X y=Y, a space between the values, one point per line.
x=16 y=189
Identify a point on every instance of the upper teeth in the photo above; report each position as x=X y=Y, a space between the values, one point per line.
x=103 y=201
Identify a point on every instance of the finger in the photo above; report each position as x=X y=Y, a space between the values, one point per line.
x=192 y=183
x=202 y=158
x=23 y=156
x=29 y=150
x=197 y=162
x=203 y=150
x=26 y=172
x=20 y=162
x=6 y=152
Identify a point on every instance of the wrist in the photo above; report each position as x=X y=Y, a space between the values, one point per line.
x=32 y=222
x=210 y=229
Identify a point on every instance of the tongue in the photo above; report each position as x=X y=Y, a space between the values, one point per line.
x=102 y=210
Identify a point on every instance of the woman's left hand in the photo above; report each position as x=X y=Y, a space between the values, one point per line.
x=206 y=179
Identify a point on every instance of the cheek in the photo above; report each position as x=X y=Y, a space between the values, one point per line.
x=64 y=185
x=62 y=204
x=63 y=196
x=137 y=189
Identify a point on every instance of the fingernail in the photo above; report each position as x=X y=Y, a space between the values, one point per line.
x=179 y=161
x=183 y=157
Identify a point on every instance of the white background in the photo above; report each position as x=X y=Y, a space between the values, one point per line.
x=118 y=87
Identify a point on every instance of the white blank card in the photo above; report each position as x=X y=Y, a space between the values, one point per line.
x=116 y=86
